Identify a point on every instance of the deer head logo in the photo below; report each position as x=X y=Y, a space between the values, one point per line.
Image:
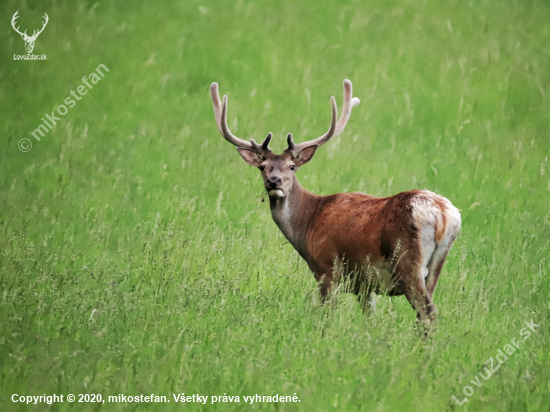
x=29 y=40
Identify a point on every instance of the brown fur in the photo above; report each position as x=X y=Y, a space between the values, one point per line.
x=395 y=245
x=357 y=227
x=353 y=229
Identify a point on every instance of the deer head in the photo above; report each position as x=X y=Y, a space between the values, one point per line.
x=278 y=170
x=29 y=40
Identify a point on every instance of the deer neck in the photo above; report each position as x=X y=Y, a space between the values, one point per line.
x=293 y=215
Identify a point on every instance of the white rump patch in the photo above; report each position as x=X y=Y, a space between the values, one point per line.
x=436 y=218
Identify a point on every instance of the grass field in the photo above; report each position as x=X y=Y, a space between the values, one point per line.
x=136 y=256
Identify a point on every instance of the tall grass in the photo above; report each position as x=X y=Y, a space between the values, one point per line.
x=136 y=255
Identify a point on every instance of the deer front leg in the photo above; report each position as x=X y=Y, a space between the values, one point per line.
x=325 y=277
x=325 y=285
x=368 y=303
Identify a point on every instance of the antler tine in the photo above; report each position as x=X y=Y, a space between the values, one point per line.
x=34 y=36
x=225 y=129
x=263 y=148
x=13 y=21
x=297 y=148
x=214 y=93
x=220 y=113
x=267 y=139
x=335 y=128
x=290 y=142
x=35 y=33
x=46 y=22
x=349 y=102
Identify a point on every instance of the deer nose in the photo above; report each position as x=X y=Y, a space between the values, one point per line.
x=273 y=181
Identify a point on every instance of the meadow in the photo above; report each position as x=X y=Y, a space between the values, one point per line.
x=137 y=257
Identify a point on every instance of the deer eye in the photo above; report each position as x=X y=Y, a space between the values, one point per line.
x=292 y=167
x=261 y=168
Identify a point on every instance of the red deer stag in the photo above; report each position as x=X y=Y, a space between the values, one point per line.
x=405 y=237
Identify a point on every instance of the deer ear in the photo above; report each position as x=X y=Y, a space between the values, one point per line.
x=250 y=157
x=305 y=155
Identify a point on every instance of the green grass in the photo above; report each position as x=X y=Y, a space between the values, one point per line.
x=136 y=257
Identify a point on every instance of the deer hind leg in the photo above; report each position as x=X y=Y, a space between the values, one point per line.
x=435 y=239
x=412 y=270
x=416 y=290
x=434 y=268
x=441 y=250
x=420 y=289
x=420 y=300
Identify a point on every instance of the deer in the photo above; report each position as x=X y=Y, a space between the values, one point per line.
x=403 y=239
x=29 y=40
